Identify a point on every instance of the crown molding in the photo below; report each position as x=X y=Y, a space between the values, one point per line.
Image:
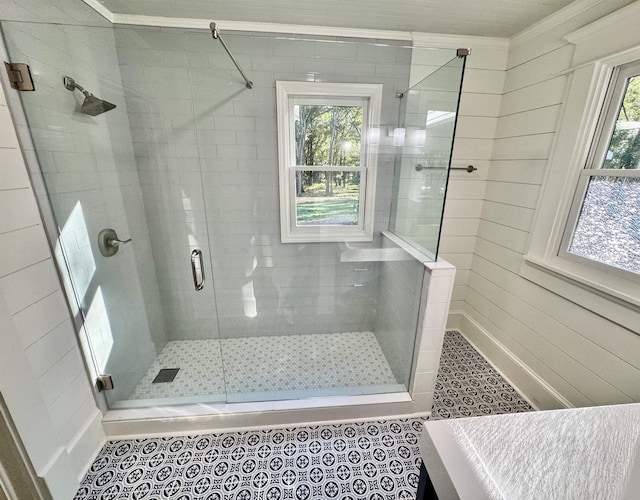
x=623 y=14
x=292 y=29
x=424 y=40
x=442 y=41
x=554 y=20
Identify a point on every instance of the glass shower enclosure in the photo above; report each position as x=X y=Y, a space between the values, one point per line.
x=425 y=139
x=163 y=213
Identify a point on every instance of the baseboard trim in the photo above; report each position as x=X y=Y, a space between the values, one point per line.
x=535 y=390
x=87 y=443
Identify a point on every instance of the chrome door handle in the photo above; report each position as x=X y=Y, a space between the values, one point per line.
x=197 y=253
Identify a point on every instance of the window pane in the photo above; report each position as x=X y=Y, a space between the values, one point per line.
x=624 y=148
x=327 y=198
x=328 y=135
x=608 y=228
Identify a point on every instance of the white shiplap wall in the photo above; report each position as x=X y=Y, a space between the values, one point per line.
x=42 y=377
x=557 y=352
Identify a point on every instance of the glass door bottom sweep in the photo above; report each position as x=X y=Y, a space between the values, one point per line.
x=268 y=368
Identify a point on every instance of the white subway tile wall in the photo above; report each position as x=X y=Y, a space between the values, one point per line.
x=207 y=159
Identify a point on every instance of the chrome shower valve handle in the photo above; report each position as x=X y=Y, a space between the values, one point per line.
x=109 y=243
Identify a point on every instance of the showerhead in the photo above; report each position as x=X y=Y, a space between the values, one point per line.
x=91 y=106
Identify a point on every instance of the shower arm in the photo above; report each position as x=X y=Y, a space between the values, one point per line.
x=216 y=35
x=70 y=84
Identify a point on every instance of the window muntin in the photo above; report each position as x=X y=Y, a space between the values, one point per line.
x=327 y=160
x=603 y=228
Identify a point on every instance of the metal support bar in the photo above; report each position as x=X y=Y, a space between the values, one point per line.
x=216 y=35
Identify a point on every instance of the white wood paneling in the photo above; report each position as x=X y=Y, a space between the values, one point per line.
x=512 y=216
x=543 y=94
x=559 y=350
x=478 y=104
x=521 y=171
x=539 y=69
x=533 y=147
x=605 y=378
x=478 y=127
x=536 y=121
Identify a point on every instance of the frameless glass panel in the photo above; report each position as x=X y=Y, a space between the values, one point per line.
x=133 y=168
x=425 y=140
x=608 y=228
x=624 y=148
x=328 y=198
x=328 y=134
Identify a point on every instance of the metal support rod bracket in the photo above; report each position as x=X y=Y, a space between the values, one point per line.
x=215 y=33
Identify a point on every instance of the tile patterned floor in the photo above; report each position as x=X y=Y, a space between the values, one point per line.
x=268 y=364
x=467 y=385
x=371 y=460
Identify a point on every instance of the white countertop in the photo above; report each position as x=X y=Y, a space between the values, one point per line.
x=583 y=453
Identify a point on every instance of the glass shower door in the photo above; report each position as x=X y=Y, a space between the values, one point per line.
x=133 y=169
x=422 y=165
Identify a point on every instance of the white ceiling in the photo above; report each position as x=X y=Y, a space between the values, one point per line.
x=499 y=18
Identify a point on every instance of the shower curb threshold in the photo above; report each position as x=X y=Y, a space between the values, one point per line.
x=233 y=417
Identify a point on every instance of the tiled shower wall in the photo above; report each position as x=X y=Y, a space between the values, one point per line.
x=207 y=159
x=90 y=173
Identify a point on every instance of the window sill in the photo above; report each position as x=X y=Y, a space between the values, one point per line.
x=611 y=297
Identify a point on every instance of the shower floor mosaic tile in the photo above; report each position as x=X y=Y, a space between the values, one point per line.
x=268 y=365
x=201 y=372
x=370 y=460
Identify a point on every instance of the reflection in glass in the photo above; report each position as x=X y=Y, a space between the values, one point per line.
x=424 y=154
x=624 y=148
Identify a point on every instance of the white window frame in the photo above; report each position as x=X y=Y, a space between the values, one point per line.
x=599 y=49
x=599 y=147
x=288 y=94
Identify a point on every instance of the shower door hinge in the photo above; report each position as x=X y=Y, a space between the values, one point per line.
x=463 y=52
x=104 y=383
x=19 y=76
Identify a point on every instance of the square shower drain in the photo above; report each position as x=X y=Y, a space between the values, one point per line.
x=165 y=375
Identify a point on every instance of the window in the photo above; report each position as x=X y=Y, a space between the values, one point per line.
x=327 y=155
x=603 y=227
x=586 y=192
